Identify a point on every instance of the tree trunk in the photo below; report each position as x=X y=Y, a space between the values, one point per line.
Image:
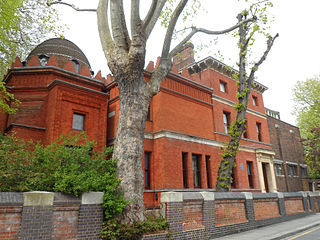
x=129 y=143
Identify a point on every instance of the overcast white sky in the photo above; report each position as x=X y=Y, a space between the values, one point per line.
x=295 y=55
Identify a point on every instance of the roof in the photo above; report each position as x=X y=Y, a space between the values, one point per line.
x=60 y=47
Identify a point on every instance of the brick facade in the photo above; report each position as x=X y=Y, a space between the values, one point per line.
x=290 y=167
x=186 y=126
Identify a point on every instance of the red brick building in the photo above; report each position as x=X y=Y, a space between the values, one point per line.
x=58 y=95
x=186 y=127
x=290 y=168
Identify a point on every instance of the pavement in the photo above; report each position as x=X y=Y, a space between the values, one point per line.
x=278 y=230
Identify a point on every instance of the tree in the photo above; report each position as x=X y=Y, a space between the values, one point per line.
x=307 y=105
x=245 y=83
x=125 y=52
x=307 y=109
x=23 y=25
x=312 y=152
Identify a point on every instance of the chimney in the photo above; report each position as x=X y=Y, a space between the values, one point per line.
x=184 y=57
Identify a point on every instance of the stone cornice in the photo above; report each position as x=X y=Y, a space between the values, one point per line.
x=210 y=62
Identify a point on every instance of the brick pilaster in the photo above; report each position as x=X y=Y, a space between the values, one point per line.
x=37 y=215
x=172 y=202
x=249 y=207
x=281 y=204
x=90 y=216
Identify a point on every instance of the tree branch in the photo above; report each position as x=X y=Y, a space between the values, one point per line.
x=72 y=6
x=103 y=27
x=118 y=24
x=149 y=14
x=135 y=16
x=173 y=20
x=153 y=16
x=196 y=30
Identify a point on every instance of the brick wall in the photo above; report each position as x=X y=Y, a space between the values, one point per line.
x=206 y=215
x=230 y=212
x=294 y=205
x=44 y=215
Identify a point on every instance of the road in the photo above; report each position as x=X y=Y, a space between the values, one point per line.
x=311 y=234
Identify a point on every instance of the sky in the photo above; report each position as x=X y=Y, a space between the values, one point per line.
x=294 y=57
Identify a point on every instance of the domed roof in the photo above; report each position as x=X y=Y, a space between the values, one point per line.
x=60 y=47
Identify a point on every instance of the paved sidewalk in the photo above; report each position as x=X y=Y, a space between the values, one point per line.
x=277 y=231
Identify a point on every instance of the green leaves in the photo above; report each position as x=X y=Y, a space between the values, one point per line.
x=68 y=165
x=23 y=25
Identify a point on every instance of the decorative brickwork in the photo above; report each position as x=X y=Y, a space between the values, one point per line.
x=192 y=215
x=266 y=208
x=230 y=212
x=10 y=219
x=65 y=221
x=294 y=205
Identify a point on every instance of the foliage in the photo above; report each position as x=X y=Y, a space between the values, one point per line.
x=68 y=165
x=114 y=229
x=312 y=152
x=307 y=105
x=23 y=25
x=8 y=103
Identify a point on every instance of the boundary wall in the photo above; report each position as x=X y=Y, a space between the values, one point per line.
x=47 y=215
x=207 y=215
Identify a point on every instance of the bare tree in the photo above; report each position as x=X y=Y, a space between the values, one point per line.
x=245 y=83
x=125 y=53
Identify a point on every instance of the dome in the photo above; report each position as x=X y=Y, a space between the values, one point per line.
x=63 y=49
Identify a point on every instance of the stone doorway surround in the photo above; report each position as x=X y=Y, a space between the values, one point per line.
x=265 y=156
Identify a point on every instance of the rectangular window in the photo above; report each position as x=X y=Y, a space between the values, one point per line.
x=196 y=170
x=254 y=101
x=78 y=121
x=149 y=114
x=184 y=169
x=259 y=132
x=147 y=160
x=208 y=171
x=292 y=170
x=304 y=171
x=226 y=121
x=223 y=86
x=250 y=175
x=278 y=169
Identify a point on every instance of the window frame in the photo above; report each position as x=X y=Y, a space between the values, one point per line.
x=184 y=169
x=147 y=170
x=74 y=122
x=226 y=121
x=254 y=100
x=196 y=171
x=250 y=174
x=223 y=86
x=259 y=133
x=208 y=169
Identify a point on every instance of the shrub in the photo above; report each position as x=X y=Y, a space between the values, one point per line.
x=68 y=165
x=115 y=230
